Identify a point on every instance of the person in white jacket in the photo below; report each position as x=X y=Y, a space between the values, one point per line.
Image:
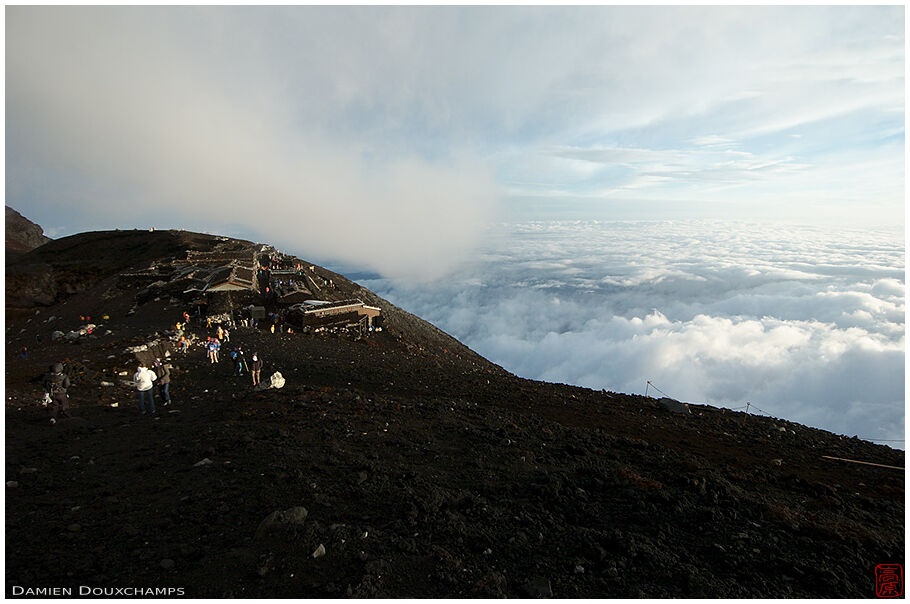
x=144 y=378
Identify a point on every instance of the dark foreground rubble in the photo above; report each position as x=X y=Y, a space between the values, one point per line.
x=399 y=466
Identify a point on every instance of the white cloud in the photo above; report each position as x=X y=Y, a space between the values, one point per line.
x=713 y=140
x=113 y=112
x=709 y=311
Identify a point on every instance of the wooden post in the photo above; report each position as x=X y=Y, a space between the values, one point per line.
x=743 y=422
x=865 y=463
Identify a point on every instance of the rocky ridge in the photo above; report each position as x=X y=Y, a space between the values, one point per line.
x=22 y=235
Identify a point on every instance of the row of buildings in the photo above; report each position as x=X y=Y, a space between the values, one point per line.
x=238 y=278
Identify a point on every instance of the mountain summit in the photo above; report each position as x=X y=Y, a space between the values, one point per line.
x=393 y=462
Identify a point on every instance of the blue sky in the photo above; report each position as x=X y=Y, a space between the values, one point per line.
x=366 y=133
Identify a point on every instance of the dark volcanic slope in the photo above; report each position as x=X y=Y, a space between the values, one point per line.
x=425 y=471
x=72 y=264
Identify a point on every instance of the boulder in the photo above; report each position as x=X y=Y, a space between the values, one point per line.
x=282 y=518
x=538 y=587
x=276 y=381
x=673 y=406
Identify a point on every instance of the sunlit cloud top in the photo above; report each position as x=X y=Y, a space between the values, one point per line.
x=366 y=133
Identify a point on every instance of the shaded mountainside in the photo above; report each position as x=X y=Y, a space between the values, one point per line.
x=400 y=464
x=73 y=264
x=22 y=235
x=79 y=263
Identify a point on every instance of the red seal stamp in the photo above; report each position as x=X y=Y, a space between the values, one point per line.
x=889 y=581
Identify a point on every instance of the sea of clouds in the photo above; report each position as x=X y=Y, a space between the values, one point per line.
x=804 y=323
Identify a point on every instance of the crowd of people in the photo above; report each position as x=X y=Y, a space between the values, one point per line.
x=148 y=379
x=157 y=377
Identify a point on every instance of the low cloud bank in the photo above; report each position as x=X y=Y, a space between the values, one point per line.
x=804 y=324
x=208 y=119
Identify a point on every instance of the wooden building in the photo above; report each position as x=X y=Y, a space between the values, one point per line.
x=322 y=312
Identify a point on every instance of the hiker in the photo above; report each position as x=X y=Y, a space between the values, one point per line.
x=184 y=344
x=220 y=333
x=164 y=381
x=239 y=360
x=217 y=346
x=208 y=322
x=144 y=378
x=227 y=335
x=210 y=348
x=55 y=384
x=255 y=368
x=23 y=352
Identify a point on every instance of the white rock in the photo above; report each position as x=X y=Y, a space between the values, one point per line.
x=277 y=380
x=320 y=551
x=204 y=462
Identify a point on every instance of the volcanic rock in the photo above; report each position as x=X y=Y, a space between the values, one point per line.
x=22 y=235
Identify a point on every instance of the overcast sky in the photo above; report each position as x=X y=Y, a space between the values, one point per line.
x=366 y=134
